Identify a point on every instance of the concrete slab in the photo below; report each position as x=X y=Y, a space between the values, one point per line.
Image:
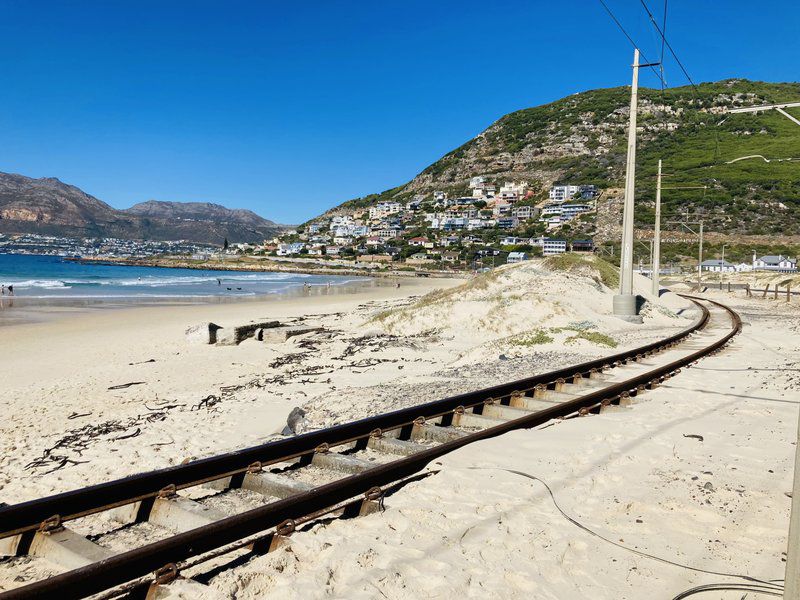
x=392 y=445
x=67 y=549
x=340 y=462
x=272 y=484
x=435 y=433
x=231 y=336
x=182 y=514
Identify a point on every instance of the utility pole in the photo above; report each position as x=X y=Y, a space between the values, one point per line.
x=722 y=266
x=700 y=260
x=657 y=235
x=791 y=586
x=625 y=302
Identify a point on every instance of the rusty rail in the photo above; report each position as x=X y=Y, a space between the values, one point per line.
x=139 y=562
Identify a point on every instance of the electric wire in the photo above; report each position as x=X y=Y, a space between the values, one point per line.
x=630 y=39
x=753 y=581
x=669 y=46
x=661 y=59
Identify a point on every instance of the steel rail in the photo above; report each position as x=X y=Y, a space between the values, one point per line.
x=130 y=565
x=28 y=516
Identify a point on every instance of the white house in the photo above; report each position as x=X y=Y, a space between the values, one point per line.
x=560 y=193
x=717 y=266
x=342 y=221
x=550 y=246
x=516 y=257
x=289 y=249
x=387 y=233
x=511 y=191
x=523 y=212
x=774 y=263
x=570 y=211
x=511 y=240
x=384 y=209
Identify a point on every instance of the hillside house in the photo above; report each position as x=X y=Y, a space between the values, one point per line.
x=502 y=209
x=582 y=246
x=523 y=213
x=516 y=257
x=290 y=249
x=507 y=223
x=342 y=221
x=450 y=257
x=511 y=240
x=383 y=210
x=550 y=246
x=387 y=233
x=562 y=193
x=570 y=211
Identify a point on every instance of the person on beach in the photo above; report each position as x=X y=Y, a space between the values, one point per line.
x=11 y=290
x=2 y=290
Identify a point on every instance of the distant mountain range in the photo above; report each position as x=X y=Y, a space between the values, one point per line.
x=48 y=206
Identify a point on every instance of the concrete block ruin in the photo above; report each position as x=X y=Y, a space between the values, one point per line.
x=271 y=332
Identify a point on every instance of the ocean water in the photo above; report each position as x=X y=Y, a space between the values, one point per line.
x=50 y=278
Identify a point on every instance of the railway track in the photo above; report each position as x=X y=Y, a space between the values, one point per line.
x=194 y=518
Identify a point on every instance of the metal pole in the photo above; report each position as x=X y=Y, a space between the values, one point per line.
x=791 y=588
x=625 y=301
x=700 y=260
x=722 y=269
x=657 y=235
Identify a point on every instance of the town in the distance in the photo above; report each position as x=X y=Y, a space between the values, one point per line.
x=495 y=224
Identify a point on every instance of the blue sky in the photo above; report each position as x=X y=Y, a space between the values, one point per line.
x=287 y=108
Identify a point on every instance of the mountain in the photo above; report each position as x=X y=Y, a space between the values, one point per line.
x=583 y=139
x=50 y=207
x=201 y=220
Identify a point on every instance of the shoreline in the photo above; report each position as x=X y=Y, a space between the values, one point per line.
x=267 y=265
x=23 y=310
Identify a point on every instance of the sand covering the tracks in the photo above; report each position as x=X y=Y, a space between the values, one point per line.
x=381 y=349
x=696 y=473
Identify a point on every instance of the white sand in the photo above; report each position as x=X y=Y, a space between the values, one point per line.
x=54 y=370
x=382 y=350
x=478 y=531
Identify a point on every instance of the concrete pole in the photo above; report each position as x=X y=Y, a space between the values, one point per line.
x=700 y=260
x=722 y=271
x=657 y=235
x=625 y=301
x=791 y=587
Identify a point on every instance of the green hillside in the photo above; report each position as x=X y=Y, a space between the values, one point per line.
x=583 y=139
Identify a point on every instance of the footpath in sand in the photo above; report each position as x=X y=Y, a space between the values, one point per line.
x=694 y=477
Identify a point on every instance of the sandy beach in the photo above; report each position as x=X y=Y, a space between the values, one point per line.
x=106 y=393
x=689 y=486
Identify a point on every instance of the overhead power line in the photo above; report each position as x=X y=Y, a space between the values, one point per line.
x=661 y=59
x=665 y=42
x=634 y=44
